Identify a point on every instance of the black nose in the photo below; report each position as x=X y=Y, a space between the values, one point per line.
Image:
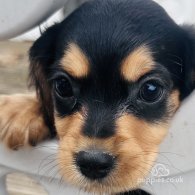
x=94 y=164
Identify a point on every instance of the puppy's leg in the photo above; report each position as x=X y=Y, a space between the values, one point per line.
x=21 y=121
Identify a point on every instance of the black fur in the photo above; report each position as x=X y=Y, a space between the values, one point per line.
x=135 y=192
x=41 y=56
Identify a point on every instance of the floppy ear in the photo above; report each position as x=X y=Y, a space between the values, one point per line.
x=41 y=55
x=189 y=60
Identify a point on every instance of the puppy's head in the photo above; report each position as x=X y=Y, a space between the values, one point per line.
x=110 y=77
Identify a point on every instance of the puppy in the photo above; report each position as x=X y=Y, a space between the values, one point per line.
x=109 y=79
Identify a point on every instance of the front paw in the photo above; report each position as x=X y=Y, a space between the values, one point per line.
x=21 y=121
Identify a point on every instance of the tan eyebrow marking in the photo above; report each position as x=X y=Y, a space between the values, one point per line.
x=75 y=62
x=137 y=63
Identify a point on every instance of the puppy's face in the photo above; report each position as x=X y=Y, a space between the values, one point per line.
x=111 y=119
x=110 y=78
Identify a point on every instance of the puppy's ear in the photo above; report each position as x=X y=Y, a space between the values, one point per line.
x=189 y=60
x=41 y=55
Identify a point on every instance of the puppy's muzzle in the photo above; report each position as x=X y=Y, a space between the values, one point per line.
x=95 y=164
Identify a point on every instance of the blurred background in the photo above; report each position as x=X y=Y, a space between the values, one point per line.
x=25 y=19
x=21 y=22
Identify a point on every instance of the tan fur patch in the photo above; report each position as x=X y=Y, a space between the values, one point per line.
x=174 y=101
x=21 y=121
x=75 y=62
x=137 y=63
x=136 y=146
x=68 y=123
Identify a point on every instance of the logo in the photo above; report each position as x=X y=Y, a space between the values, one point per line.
x=161 y=174
x=160 y=170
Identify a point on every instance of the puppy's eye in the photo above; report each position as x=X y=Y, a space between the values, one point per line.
x=151 y=91
x=63 y=88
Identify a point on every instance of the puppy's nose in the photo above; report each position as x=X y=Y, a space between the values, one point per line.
x=94 y=164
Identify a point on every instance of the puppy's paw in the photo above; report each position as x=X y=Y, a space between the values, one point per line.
x=21 y=121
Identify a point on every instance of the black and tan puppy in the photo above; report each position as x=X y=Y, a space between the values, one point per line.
x=109 y=79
